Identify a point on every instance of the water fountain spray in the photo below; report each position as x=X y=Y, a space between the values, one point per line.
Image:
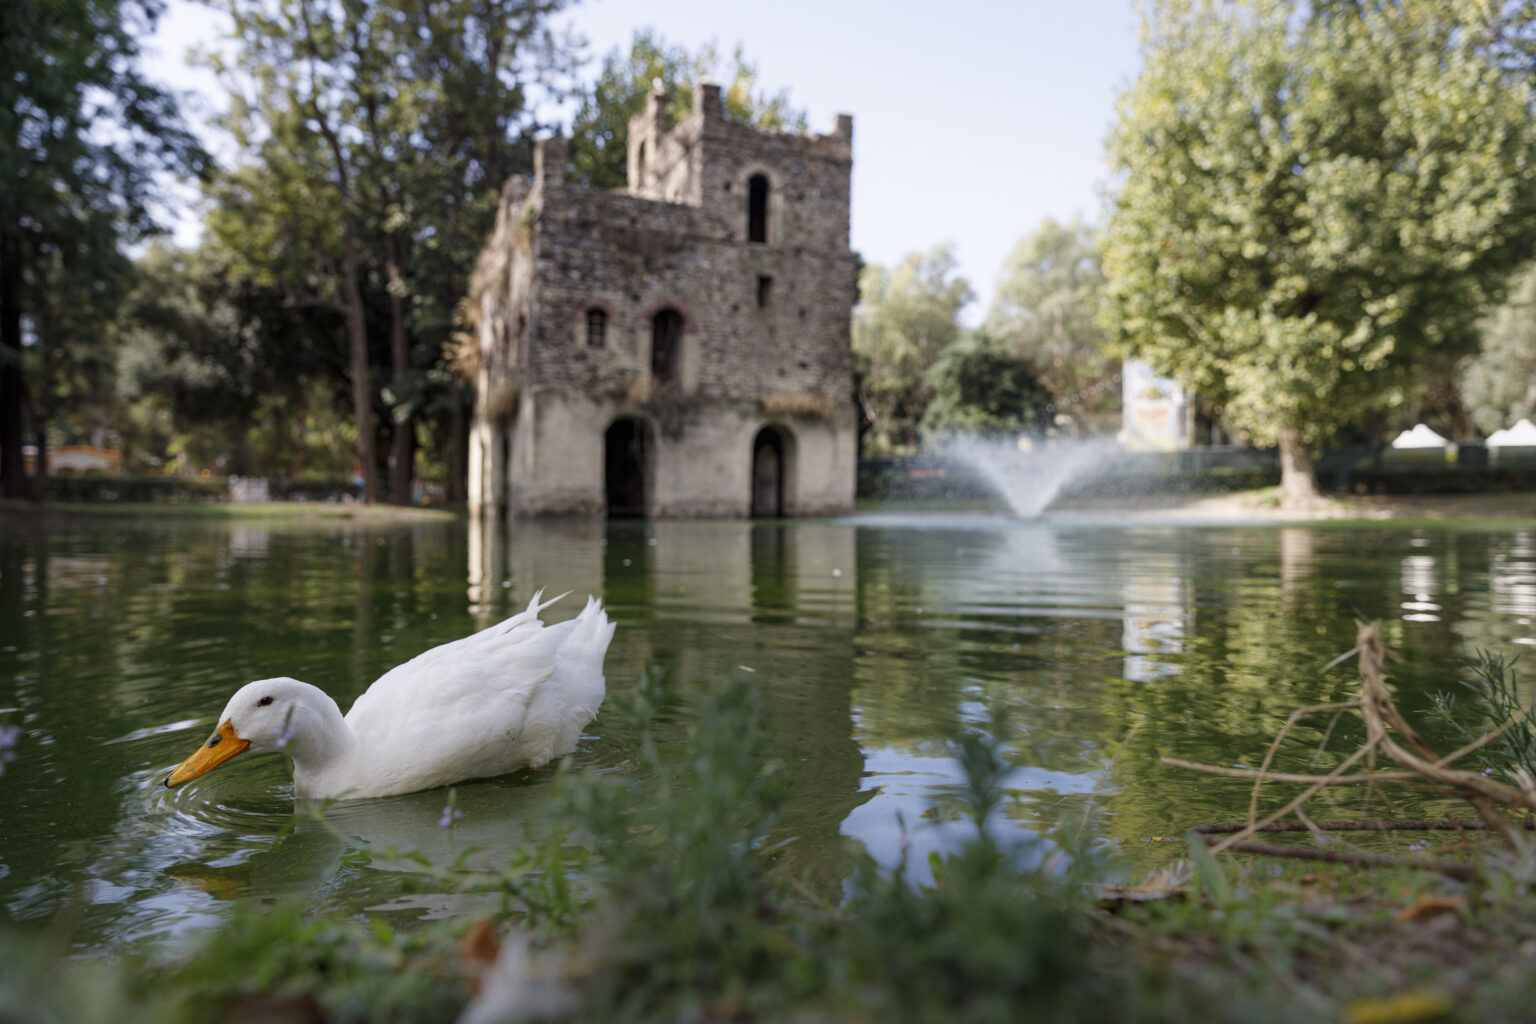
x=1030 y=476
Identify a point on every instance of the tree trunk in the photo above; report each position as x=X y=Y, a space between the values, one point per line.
x=457 y=457
x=402 y=425
x=357 y=345
x=12 y=472
x=298 y=448
x=352 y=295
x=1298 y=485
x=403 y=458
x=39 y=419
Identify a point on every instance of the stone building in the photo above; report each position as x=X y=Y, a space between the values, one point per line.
x=677 y=348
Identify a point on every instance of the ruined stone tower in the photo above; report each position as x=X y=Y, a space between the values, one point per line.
x=678 y=348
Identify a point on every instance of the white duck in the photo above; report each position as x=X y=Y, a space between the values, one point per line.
x=512 y=696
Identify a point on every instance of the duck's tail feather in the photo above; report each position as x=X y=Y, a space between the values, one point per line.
x=530 y=614
x=569 y=699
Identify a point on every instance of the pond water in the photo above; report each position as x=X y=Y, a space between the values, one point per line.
x=878 y=638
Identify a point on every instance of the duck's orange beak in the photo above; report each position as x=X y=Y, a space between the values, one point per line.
x=221 y=746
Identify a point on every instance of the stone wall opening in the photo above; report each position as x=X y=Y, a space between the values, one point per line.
x=626 y=467
x=757 y=208
x=666 y=344
x=770 y=473
x=597 y=327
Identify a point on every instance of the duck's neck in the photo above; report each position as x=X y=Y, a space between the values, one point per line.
x=321 y=745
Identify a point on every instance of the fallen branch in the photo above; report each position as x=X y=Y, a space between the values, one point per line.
x=1254 y=773
x=1430 y=825
x=1389 y=735
x=1269 y=755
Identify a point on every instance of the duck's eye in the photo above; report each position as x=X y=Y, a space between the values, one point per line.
x=264 y=702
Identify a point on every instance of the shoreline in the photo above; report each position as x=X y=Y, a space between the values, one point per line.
x=1259 y=508
x=15 y=511
x=1243 y=508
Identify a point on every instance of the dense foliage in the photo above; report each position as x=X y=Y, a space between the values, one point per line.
x=906 y=316
x=981 y=389
x=83 y=134
x=1311 y=201
x=215 y=370
x=1045 y=311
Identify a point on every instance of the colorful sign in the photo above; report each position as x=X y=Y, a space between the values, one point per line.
x=1158 y=412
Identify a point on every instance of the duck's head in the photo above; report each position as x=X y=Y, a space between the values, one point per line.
x=264 y=716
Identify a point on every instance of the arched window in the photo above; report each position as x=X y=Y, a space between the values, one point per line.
x=597 y=327
x=757 y=208
x=666 y=340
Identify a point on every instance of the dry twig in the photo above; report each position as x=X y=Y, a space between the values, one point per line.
x=1388 y=734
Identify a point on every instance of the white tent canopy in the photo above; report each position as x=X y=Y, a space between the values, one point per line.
x=1521 y=435
x=1419 y=437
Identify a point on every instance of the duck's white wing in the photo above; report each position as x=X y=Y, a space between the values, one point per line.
x=457 y=711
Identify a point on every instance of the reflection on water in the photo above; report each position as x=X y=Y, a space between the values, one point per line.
x=1513 y=581
x=879 y=640
x=1155 y=609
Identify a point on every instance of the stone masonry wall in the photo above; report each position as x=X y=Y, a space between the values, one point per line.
x=765 y=324
x=634 y=255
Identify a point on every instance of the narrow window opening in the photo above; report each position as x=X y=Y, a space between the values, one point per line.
x=764 y=290
x=757 y=208
x=666 y=336
x=597 y=327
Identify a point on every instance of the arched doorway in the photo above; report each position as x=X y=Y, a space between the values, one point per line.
x=626 y=466
x=770 y=466
x=666 y=343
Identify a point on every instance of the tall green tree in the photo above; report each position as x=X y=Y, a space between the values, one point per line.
x=906 y=316
x=600 y=129
x=1045 y=310
x=1311 y=200
x=375 y=137
x=982 y=388
x=82 y=136
x=214 y=368
x=76 y=289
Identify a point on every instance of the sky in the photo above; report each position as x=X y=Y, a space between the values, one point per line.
x=968 y=129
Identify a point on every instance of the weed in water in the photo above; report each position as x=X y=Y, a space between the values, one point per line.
x=1490 y=699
